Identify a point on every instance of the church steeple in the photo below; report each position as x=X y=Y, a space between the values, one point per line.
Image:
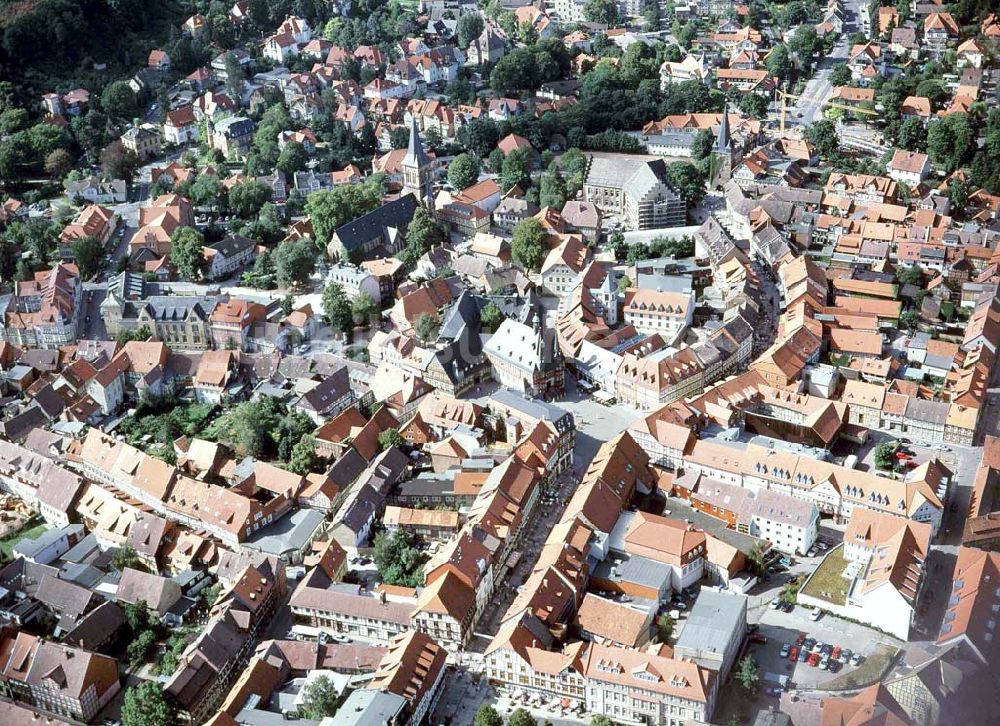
x=416 y=165
x=723 y=142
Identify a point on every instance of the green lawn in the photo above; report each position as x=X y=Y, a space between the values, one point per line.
x=871 y=671
x=827 y=582
x=33 y=530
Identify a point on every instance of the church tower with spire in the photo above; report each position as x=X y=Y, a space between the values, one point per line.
x=417 y=167
x=722 y=153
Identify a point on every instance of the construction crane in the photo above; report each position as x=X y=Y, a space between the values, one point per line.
x=830 y=104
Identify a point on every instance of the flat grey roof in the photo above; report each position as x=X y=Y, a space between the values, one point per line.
x=713 y=619
x=288 y=534
x=639 y=570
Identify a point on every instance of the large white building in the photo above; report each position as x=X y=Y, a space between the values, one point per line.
x=665 y=312
x=626 y=684
x=43 y=312
x=882 y=561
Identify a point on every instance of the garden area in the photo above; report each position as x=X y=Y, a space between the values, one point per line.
x=827 y=582
x=32 y=529
x=156 y=423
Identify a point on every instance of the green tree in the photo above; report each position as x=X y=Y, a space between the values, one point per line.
x=951 y=141
x=423 y=234
x=521 y=717
x=398 y=559
x=469 y=27
x=390 y=438
x=528 y=243
x=840 y=75
x=779 y=62
x=292 y=158
x=958 y=195
x=287 y=305
x=747 y=674
x=426 y=327
x=601 y=11
x=125 y=556
x=336 y=307
x=487 y=716
x=517 y=168
x=207 y=191
x=147 y=705
x=912 y=135
x=885 y=454
x=118 y=101
x=234 y=77
x=756 y=558
x=319 y=699
x=399 y=137
x=664 y=628
x=491 y=317
x=552 y=190
x=87 y=252
x=329 y=209
x=142 y=333
x=910 y=275
x=139 y=617
x=823 y=134
x=187 y=253
x=117 y=162
x=363 y=309
x=58 y=163
x=754 y=105
x=139 y=647
x=294 y=262
x=463 y=171
x=688 y=180
x=703 y=143
x=602 y=720
x=248 y=197
x=909 y=320
x=303 y=457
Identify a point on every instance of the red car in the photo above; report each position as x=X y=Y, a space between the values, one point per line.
x=758 y=638
x=793 y=654
x=903 y=456
x=813 y=659
x=836 y=652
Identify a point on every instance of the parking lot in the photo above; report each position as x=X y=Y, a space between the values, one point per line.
x=781 y=627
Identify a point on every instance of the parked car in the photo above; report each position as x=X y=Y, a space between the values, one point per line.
x=816 y=614
x=827 y=649
x=813 y=660
x=845 y=655
x=758 y=638
x=824 y=662
x=836 y=652
x=800 y=639
x=808 y=643
x=818 y=648
x=785 y=647
x=793 y=653
x=772 y=691
x=812 y=552
x=834 y=666
x=803 y=655
x=857 y=659
x=823 y=546
x=775 y=604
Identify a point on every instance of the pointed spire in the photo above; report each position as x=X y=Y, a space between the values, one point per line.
x=415 y=154
x=722 y=141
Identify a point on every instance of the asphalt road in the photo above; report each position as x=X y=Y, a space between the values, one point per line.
x=806 y=112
